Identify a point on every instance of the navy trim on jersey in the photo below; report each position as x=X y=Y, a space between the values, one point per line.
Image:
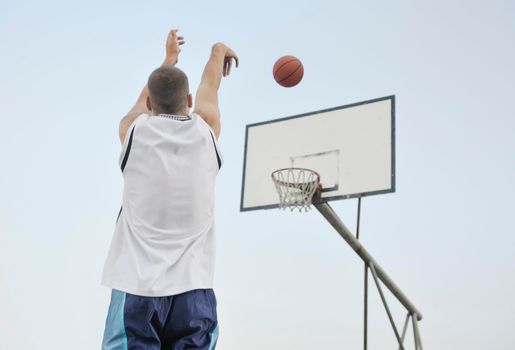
x=118 y=217
x=126 y=156
x=216 y=151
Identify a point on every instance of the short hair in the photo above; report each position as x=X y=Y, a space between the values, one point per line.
x=168 y=89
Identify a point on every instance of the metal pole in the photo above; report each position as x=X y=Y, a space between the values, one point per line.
x=365 y=331
x=417 y=334
x=365 y=297
x=414 y=320
x=359 y=216
x=344 y=232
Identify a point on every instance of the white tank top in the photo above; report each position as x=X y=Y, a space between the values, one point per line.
x=164 y=239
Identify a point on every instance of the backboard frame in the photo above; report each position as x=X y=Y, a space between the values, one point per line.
x=340 y=197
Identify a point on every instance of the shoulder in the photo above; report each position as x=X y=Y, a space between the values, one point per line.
x=129 y=122
x=202 y=123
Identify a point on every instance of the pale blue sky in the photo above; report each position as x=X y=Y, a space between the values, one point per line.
x=70 y=70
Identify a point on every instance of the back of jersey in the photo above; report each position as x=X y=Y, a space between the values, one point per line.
x=164 y=240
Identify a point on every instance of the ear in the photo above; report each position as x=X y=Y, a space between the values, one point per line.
x=149 y=104
x=190 y=101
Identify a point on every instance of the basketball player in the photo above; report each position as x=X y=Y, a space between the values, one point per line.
x=160 y=263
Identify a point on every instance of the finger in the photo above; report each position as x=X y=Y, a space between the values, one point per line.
x=229 y=61
x=226 y=67
x=236 y=59
x=180 y=38
x=181 y=42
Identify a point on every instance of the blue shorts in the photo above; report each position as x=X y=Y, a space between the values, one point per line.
x=177 y=322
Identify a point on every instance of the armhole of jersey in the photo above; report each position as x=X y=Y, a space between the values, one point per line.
x=119 y=213
x=134 y=122
x=127 y=142
x=126 y=147
x=219 y=157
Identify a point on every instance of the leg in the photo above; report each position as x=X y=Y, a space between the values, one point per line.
x=192 y=322
x=135 y=322
x=114 y=332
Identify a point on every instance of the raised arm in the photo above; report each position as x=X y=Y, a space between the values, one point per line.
x=206 y=100
x=172 y=55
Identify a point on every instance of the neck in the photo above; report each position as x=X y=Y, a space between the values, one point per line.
x=182 y=113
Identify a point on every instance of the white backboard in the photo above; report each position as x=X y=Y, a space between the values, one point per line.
x=352 y=147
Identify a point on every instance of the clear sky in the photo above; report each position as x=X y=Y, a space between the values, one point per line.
x=70 y=70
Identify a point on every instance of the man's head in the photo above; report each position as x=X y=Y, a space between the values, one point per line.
x=168 y=91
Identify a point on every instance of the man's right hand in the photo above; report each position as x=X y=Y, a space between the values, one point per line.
x=229 y=56
x=206 y=101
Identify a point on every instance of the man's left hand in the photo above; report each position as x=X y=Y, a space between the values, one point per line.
x=173 y=43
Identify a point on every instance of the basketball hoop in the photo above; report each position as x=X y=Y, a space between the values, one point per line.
x=296 y=187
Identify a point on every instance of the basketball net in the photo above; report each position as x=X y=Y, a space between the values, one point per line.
x=296 y=187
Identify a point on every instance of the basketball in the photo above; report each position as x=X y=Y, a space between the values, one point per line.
x=288 y=71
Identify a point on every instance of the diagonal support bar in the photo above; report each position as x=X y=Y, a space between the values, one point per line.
x=405 y=328
x=344 y=232
x=376 y=280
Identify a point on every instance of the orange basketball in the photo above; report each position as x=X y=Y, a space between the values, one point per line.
x=288 y=71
